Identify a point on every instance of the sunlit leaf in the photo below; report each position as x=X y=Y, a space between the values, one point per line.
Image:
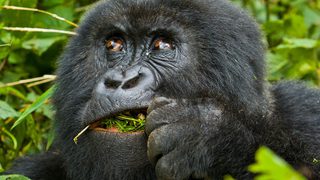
x=13 y=177
x=269 y=166
x=311 y=16
x=275 y=65
x=228 y=177
x=290 y=43
x=7 y=111
x=39 y=46
x=34 y=106
x=294 y=25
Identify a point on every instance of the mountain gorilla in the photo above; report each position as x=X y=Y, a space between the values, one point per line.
x=197 y=68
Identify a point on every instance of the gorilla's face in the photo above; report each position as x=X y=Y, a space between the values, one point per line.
x=128 y=52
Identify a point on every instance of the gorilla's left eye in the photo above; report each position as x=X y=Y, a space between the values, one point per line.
x=162 y=43
x=114 y=44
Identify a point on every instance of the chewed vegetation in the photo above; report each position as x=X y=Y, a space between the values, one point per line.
x=125 y=123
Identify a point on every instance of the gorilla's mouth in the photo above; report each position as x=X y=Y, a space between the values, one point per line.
x=130 y=121
x=127 y=121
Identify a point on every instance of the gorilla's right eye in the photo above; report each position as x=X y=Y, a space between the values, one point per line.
x=162 y=43
x=114 y=44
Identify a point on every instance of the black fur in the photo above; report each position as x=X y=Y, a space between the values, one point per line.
x=209 y=105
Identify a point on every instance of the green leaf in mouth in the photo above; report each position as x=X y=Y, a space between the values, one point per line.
x=125 y=122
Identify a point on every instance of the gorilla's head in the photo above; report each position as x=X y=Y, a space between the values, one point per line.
x=126 y=52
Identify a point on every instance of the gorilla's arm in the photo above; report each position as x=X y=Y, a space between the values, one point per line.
x=199 y=139
x=298 y=108
x=46 y=166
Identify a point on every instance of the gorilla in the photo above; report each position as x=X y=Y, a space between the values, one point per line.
x=196 y=69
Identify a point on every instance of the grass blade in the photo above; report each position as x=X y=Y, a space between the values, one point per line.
x=34 y=106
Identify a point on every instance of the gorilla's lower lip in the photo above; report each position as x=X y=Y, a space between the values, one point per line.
x=116 y=131
x=130 y=121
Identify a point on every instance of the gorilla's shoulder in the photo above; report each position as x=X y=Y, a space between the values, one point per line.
x=296 y=101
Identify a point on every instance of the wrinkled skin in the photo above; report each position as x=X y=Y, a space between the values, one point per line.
x=197 y=66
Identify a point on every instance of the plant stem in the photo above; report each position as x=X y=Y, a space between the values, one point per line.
x=40 y=11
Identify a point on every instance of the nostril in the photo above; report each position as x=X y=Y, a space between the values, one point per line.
x=112 y=84
x=131 y=83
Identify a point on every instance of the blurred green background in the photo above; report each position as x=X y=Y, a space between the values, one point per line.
x=291 y=32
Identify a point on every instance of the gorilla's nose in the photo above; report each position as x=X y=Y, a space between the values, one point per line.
x=125 y=80
x=112 y=82
x=129 y=84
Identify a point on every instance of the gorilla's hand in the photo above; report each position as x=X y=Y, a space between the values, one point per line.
x=188 y=137
x=179 y=136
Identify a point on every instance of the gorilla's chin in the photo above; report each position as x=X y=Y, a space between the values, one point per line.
x=103 y=153
x=121 y=149
x=110 y=155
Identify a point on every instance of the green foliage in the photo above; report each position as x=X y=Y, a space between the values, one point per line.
x=291 y=30
x=25 y=55
x=34 y=106
x=13 y=177
x=228 y=177
x=269 y=166
x=7 y=111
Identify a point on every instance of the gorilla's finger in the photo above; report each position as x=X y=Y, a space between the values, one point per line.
x=160 y=117
x=164 y=139
x=159 y=102
x=173 y=167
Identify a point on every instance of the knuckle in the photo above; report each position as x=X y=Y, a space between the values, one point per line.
x=159 y=102
x=155 y=120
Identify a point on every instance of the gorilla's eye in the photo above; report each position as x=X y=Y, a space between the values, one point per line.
x=114 y=44
x=162 y=43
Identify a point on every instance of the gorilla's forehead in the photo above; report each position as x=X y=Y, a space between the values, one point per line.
x=141 y=16
x=140 y=13
x=145 y=16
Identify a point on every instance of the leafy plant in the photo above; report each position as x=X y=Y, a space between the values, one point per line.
x=269 y=166
x=292 y=31
x=25 y=54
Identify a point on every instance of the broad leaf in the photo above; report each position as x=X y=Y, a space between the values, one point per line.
x=39 y=46
x=13 y=177
x=271 y=167
x=7 y=111
x=290 y=43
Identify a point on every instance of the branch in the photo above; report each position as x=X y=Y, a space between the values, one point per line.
x=40 y=11
x=27 y=29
